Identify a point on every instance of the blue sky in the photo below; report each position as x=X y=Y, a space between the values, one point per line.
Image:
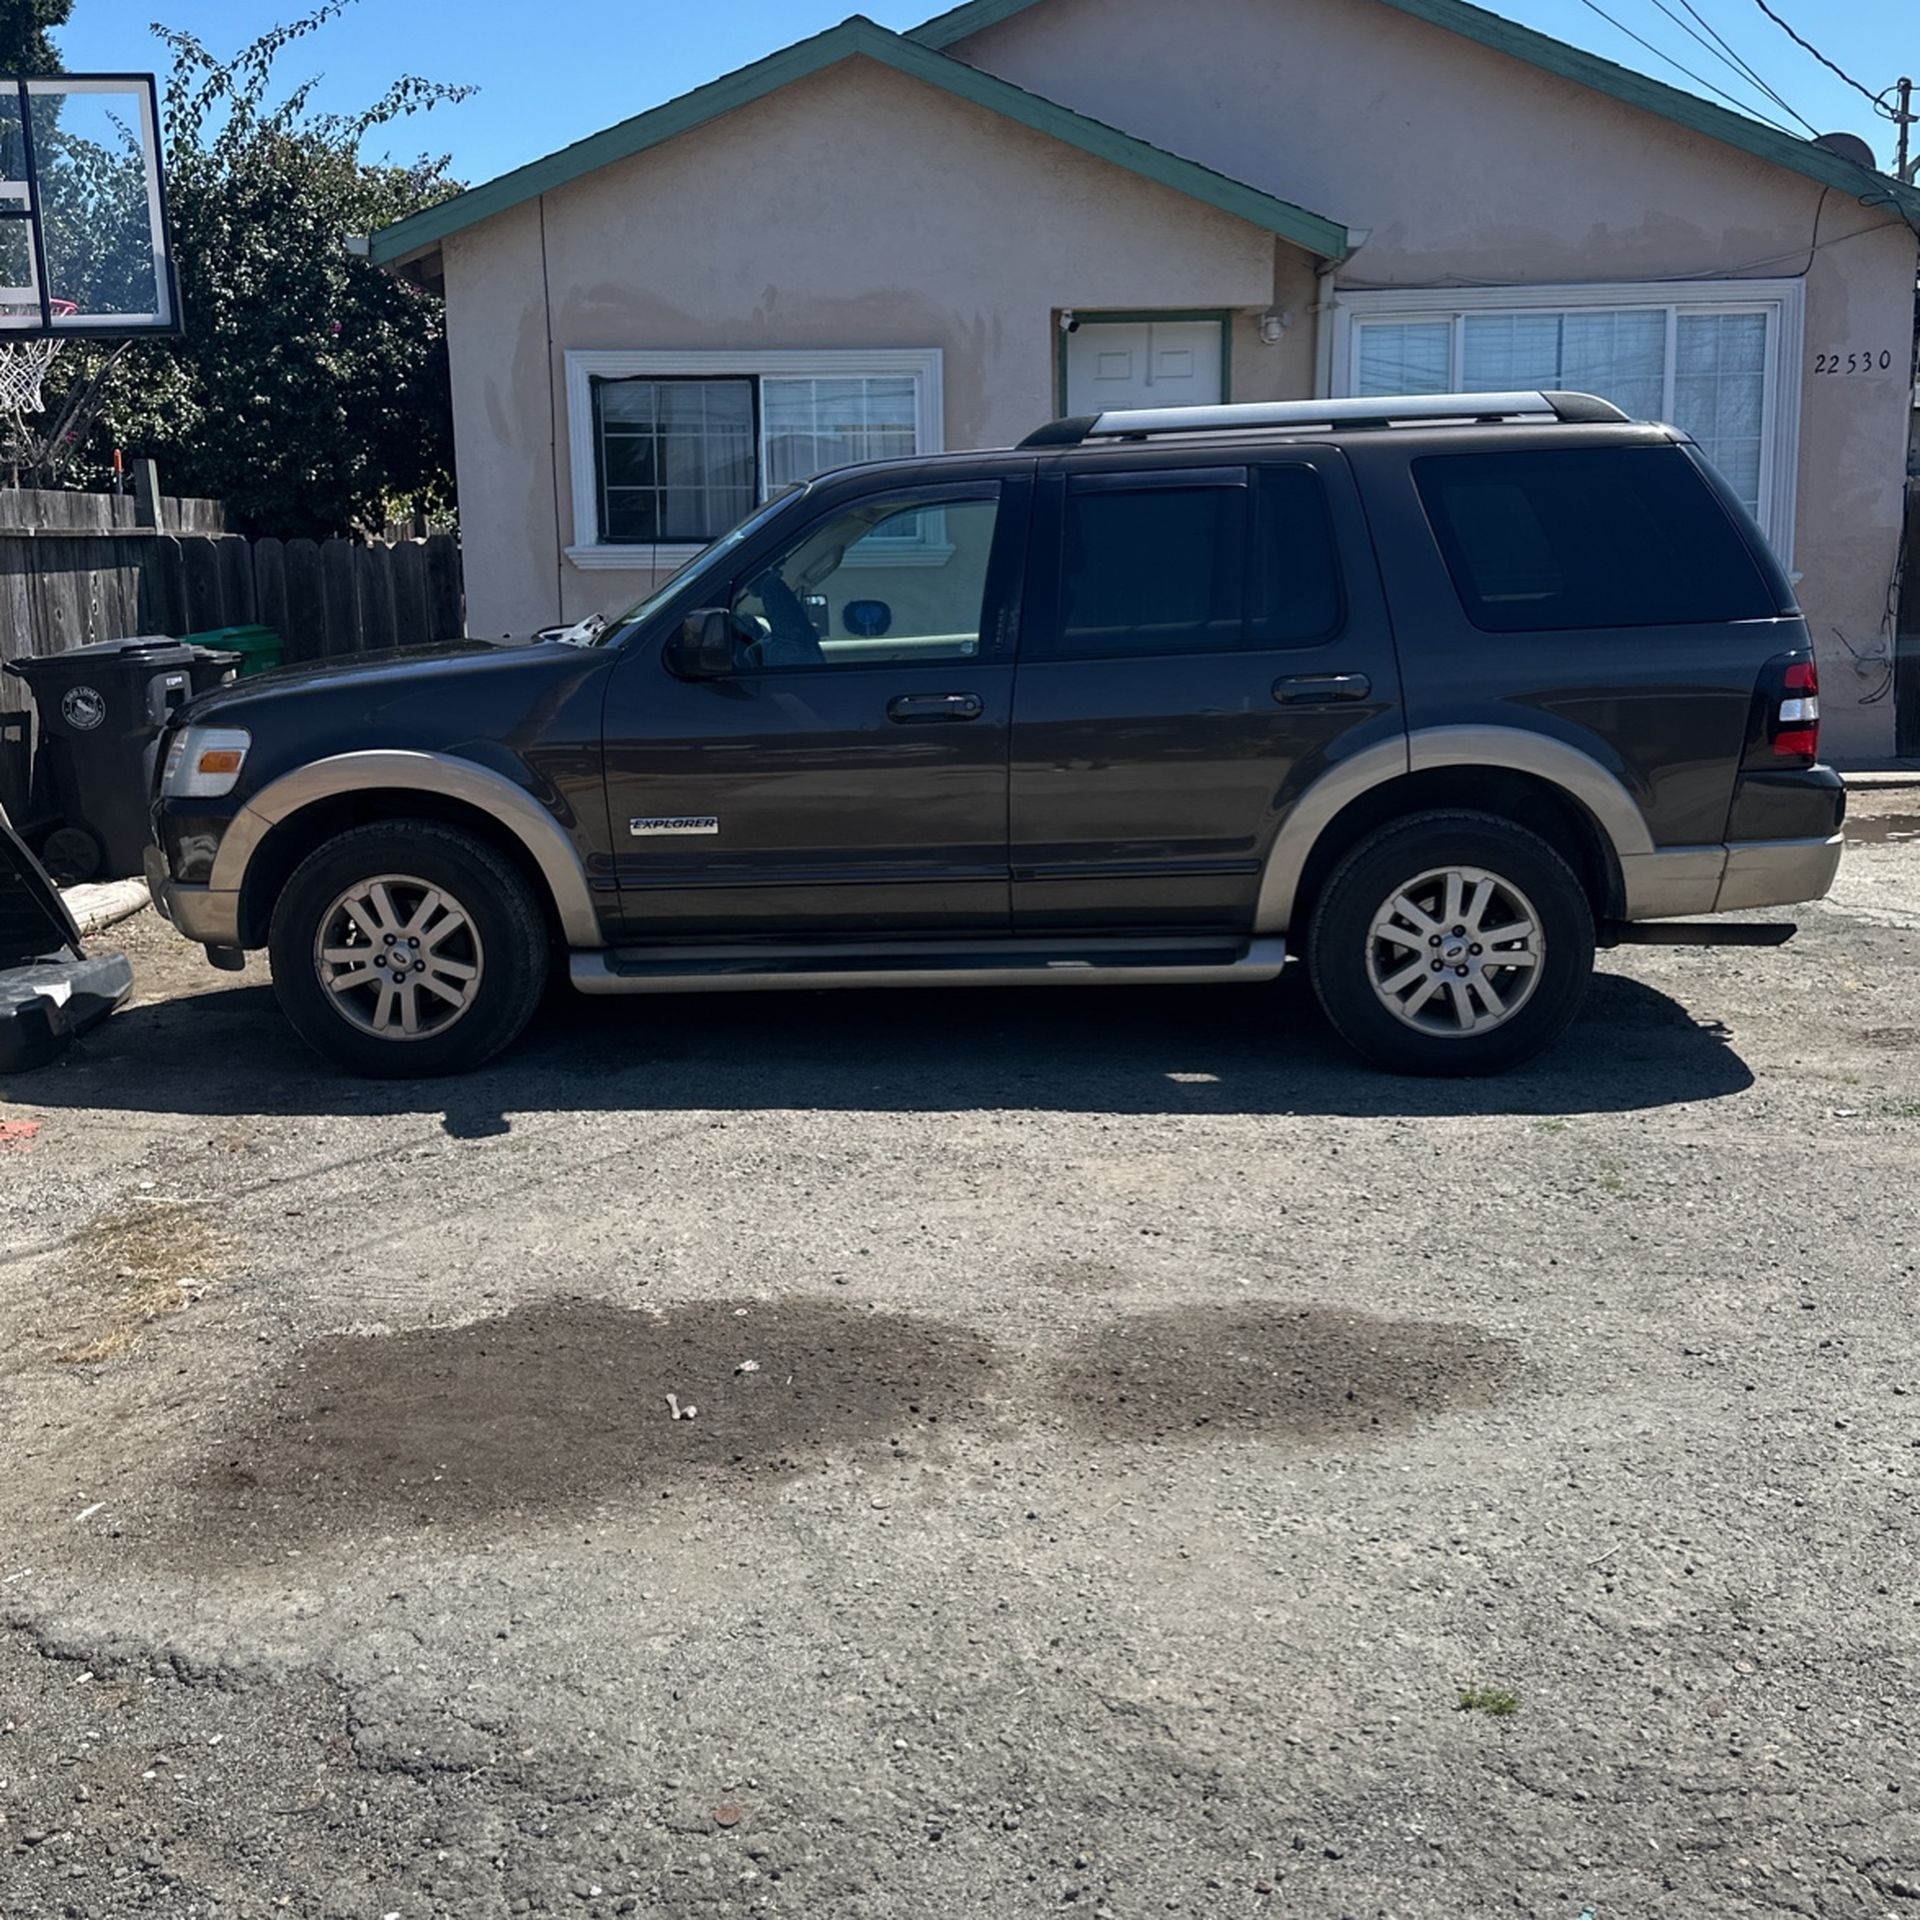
x=549 y=73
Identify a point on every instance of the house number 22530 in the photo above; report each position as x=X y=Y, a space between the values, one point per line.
x=1852 y=362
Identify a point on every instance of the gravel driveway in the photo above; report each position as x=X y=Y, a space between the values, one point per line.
x=1143 y=1463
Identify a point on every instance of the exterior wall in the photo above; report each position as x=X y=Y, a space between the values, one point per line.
x=503 y=424
x=1470 y=168
x=854 y=209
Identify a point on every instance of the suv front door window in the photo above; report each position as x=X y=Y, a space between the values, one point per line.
x=887 y=582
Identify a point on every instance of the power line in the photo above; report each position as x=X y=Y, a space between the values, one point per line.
x=1741 y=106
x=1740 y=65
x=1809 y=47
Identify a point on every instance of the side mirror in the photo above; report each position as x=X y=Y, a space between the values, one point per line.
x=706 y=647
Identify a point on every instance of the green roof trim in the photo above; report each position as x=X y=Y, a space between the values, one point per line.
x=1568 y=63
x=418 y=235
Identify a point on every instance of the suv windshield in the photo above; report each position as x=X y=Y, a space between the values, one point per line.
x=706 y=561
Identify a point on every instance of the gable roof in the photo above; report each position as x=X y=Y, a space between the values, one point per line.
x=1568 y=63
x=418 y=235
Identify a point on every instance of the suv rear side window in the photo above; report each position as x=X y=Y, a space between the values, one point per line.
x=1159 y=563
x=1551 y=540
x=1152 y=565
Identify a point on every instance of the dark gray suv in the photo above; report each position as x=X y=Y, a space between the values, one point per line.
x=1437 y=693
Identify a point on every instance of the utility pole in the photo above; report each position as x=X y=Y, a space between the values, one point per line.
x=1905 y=119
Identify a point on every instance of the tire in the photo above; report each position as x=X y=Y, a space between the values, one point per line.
x=468 y=950
x=1393 y=969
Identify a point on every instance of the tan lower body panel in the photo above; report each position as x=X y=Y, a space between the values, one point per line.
x=1672 y=881
x=1777 y=873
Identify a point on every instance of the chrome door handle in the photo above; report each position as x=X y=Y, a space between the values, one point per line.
x=907 y=707
x=1320 y=689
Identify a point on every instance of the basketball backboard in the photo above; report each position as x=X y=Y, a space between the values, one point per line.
x=83 y=211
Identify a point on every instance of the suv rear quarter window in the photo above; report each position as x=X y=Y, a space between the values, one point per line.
x=1557 y=539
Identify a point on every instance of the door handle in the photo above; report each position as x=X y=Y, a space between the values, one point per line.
x=908 y=707
x=1320 y=689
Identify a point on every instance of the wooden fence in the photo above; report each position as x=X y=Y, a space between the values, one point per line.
x=77 y=567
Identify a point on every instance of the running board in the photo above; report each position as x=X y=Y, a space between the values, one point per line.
x=908 y=963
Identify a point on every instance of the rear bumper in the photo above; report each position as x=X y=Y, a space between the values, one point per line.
x=1728 y=879
x=1777 y=873
x=208 y=915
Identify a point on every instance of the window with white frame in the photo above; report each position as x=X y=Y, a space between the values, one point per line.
x=1720 y=361
x=668 y=449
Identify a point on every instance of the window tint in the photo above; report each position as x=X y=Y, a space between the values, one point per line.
x=1300 y=599
x=888 y=582
x=1588 y=537
x=1147 y=570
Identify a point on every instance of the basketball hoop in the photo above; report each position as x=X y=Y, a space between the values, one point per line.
x=24 y=363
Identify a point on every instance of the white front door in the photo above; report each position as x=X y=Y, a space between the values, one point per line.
x=1145 y=363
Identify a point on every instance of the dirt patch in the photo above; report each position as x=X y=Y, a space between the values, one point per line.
x=1303 y=1372
x=549 y=1408
x=135 y=1267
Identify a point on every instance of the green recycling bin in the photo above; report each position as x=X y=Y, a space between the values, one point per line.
x=260 y=648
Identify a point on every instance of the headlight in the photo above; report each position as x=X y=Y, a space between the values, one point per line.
x=204 y=762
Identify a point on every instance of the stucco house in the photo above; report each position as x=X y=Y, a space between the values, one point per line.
x=873 y=242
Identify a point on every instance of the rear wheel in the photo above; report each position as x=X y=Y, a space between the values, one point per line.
x=1451 y=943
x=407 y=949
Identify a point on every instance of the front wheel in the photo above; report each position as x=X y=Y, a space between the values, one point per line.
x=407 y=949
x=1451 y=943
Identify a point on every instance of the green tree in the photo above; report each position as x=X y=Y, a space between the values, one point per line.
x=310 y=389
x=24 y=25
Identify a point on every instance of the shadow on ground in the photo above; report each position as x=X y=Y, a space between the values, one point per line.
x=1172 y=1050
x=564 y=1405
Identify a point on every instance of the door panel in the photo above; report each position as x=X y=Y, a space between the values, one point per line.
x=849 y=777
x=1153 y=760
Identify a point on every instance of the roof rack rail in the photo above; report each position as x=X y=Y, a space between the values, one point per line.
x=1382 y=411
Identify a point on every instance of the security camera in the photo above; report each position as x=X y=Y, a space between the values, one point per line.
x=1068 y=322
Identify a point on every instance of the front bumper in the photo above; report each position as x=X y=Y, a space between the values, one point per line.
x=209 y=915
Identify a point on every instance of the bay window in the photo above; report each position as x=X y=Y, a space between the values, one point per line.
x=1719 y=360
x=669 y=449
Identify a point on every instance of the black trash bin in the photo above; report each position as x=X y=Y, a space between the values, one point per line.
x=101 y=710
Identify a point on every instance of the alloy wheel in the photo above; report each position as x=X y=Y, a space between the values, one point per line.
x=1457 y=951
x=399 y=958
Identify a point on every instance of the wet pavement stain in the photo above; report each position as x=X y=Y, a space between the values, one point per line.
x=551 y=1408
x=555 y=1409
x=1299 y=1372
x=1879 y=830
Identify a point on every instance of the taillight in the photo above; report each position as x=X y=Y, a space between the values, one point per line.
x=1797 y=723
x=1786 y=713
